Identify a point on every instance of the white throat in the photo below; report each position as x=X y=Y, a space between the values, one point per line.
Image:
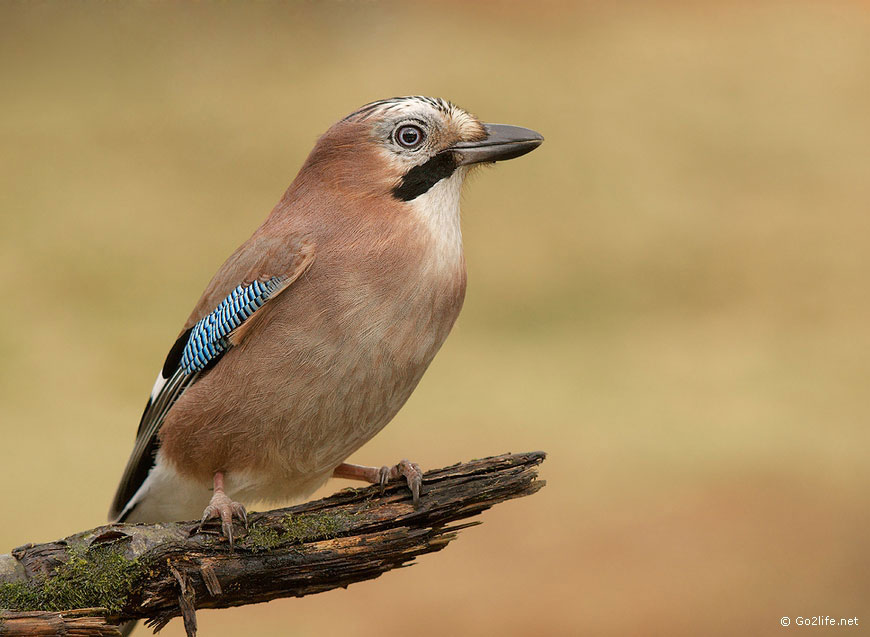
x=438 y=211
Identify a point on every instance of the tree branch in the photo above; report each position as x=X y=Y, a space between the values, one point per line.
x=118 y=572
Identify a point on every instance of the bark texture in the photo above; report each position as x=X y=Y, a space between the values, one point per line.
x=88 y=583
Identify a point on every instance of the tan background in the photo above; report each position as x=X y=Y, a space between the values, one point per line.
x=670 y=296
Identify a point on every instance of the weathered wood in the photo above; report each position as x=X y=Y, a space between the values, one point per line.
x=84 y=622
x=160 y=571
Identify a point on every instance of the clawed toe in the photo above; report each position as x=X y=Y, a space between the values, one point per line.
x=414 y=475
x=240 y=512
x=410 y=471
x=221 y=506
x=385 y=475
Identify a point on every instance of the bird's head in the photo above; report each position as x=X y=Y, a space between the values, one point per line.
x=406 y=147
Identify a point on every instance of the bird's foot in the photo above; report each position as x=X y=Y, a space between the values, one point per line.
x=409 y=470
x=223 y=507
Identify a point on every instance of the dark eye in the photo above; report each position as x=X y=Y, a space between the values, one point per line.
x=410 y=136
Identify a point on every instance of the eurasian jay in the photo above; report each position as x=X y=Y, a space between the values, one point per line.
x=315 y=331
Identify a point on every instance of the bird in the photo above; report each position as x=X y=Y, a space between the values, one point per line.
x=312 y=335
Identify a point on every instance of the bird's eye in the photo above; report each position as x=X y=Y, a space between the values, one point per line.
x=410 y=136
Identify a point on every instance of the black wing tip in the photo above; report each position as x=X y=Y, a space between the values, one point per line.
x=173 y=359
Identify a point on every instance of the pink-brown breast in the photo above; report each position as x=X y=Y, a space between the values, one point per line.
x=331 y=360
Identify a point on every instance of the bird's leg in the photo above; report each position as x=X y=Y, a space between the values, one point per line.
x=223 y=507
x=410 y=470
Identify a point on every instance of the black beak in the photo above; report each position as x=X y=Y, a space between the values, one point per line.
x=502 y=142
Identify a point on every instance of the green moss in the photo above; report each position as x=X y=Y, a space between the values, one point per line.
x=297 y=529
x=319 y=526
x=18 y=596
x=99 y=576
x=262 y=538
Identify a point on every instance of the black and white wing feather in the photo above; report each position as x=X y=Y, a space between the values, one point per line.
x=199 y=348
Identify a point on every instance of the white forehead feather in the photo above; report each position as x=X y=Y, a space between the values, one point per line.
x=403 y=105
x=427 y=108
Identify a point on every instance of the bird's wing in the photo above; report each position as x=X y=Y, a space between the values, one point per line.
x=200 y=347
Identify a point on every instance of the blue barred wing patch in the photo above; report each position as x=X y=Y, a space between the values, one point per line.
x=208 y=338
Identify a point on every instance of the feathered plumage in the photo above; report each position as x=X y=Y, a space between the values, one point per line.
x=315 y=331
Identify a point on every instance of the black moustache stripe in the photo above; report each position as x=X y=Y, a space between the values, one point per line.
x=421 y=178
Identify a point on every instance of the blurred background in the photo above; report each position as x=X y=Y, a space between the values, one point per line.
x=670 y=296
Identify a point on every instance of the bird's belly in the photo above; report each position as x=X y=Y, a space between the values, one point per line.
x=278 y=414
x=325 y=419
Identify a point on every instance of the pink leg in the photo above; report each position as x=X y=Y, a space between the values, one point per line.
x=221 y=506
x=410 y=470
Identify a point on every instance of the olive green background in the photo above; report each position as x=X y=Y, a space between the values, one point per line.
x=670 y=296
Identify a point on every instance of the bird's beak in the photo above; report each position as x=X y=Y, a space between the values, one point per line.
x=502 y=142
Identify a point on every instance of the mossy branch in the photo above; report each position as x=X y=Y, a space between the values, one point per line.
x=90 y=582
